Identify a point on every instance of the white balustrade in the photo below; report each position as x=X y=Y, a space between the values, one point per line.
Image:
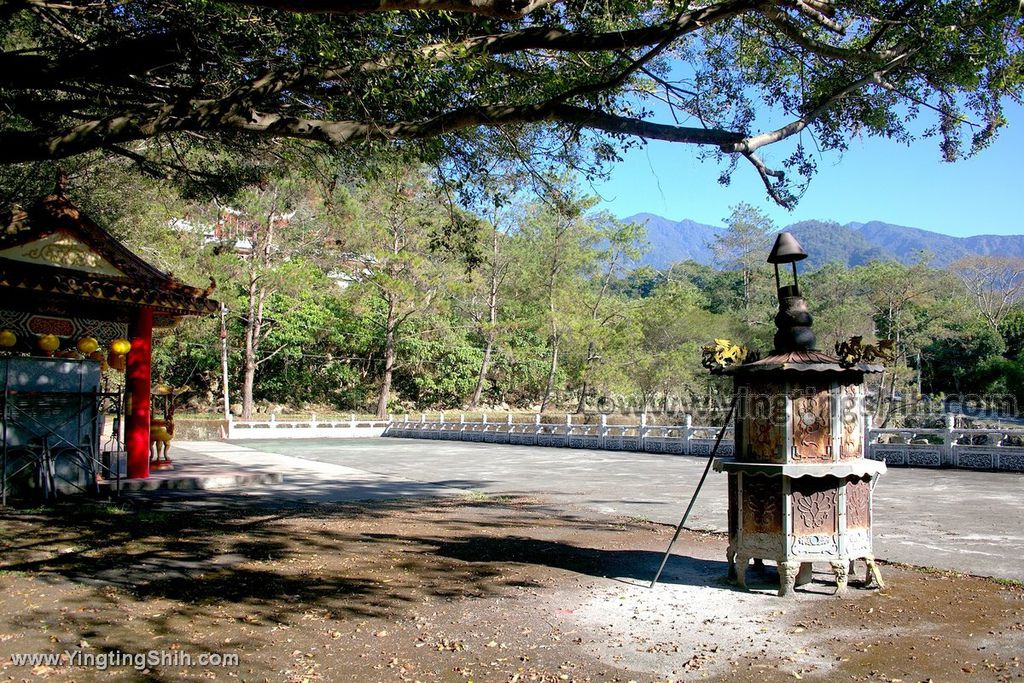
x=980 y=449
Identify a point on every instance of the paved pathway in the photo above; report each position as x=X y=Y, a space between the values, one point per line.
x=968 y=521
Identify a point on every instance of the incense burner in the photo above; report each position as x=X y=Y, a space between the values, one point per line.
x=800 y=489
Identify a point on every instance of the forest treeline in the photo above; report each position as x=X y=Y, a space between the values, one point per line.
x=382 y=294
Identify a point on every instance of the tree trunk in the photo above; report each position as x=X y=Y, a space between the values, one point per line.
x=389 y=362
x=256 y=295
x=551 y=374
x=582 y=405
x=746 y=293
x=585 y=379
x=492 y=317
x=594 y=318
x=481 y=377
x=249 y=356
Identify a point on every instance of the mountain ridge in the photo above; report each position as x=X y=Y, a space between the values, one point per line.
x=854 y=243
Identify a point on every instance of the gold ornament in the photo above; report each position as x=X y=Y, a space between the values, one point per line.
x=853 y=351
x=722 y=354
x=87 y=345
x=48 y=343
x=7 y=339
x=120 y=346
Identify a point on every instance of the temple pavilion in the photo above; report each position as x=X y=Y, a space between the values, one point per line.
x=68 y=287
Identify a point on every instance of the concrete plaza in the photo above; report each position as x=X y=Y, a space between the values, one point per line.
x=971 y=522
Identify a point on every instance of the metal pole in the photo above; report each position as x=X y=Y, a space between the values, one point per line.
x=3 y=416
x=700 y=484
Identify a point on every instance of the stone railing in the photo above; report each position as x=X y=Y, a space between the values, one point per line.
x=684 y=439
x=978 y=449
x=974 y=449
x=313 y=428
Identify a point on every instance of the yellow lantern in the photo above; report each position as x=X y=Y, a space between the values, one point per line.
x=120 y=346
x=87 y=345
x=7 y=339
x=48 y=343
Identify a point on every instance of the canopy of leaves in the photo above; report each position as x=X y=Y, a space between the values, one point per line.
x=186 y=88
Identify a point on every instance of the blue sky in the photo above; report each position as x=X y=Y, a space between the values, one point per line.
x=874 y=180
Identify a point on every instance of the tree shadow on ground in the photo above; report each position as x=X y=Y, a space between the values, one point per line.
x=275 y=559
x=632 y=566
x=132 y=572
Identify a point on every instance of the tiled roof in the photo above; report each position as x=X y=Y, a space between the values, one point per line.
x=800 y=361
x=140 y=285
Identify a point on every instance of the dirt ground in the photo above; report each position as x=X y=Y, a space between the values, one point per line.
x=478 y=589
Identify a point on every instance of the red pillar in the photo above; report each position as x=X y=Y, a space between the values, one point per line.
x=137 y=383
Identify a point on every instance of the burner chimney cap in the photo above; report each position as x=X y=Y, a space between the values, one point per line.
x=786 y=250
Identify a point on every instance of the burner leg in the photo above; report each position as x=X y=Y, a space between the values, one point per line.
x=741 y=570
x=806 y=574
x=873 y=574
x=788 y=572
x=841 y=570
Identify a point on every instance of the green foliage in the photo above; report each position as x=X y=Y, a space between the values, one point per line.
x=1002 y=376
x=519 y=373
x=842 y=308
x=439 y=372
x=1012 y=330
x=742 y=247
x=955 y=363
x=190 y=89
x=563 y=281
x=189 y=355
x=573 y=320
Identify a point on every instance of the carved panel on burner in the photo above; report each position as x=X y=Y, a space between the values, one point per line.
x=762 y=504
x=858 y=504
x=812 y=420
x=766 y=410
x=814 y=505
x=853 y=429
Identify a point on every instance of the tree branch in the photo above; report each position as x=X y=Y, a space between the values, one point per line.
x=792 y=31
x=819 y=12
x=775 y=189
x=19 y=146
x=276 y=351
x=108 y=64
x=755 y=142
x=501 y=9
x=536 y=38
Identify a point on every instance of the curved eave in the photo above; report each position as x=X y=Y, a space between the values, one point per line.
x=177 y=300
x=862 y=368
x=799 y=361
x=840 y=470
